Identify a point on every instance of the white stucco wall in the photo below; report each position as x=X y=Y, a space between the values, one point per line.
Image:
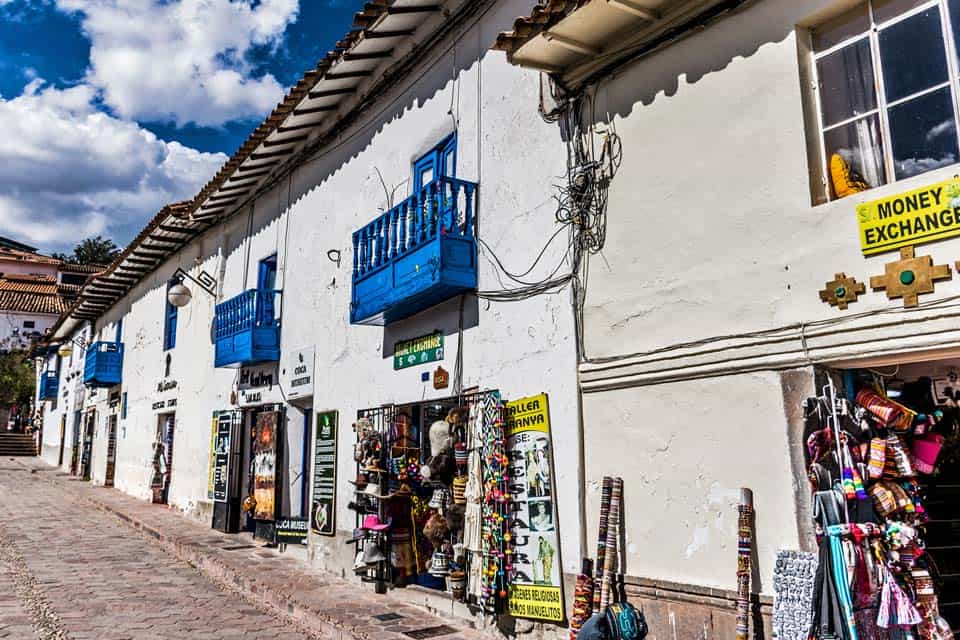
x=712 y=233
x=520 y=348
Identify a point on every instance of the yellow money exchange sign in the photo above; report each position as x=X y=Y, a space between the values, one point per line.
x=914 y=217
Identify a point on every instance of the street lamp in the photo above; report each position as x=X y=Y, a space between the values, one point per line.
x=179 y=295
x=66 y=349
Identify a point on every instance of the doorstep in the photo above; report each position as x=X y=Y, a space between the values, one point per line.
x=322 y=602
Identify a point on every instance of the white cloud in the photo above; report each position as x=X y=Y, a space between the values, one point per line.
x=68 y=170
x=182 y=61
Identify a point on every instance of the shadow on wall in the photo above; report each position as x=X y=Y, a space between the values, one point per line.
x=705 y=51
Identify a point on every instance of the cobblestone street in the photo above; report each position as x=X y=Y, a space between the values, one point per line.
x=69 y=571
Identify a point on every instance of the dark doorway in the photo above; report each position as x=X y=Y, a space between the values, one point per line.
x=111 y=451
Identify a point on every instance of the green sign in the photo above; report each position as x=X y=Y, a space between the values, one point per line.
x=409 y=353
x=323 y=516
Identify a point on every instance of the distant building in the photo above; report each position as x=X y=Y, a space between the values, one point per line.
x=34 y=290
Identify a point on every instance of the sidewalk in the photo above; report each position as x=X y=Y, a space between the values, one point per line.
x=324 y=603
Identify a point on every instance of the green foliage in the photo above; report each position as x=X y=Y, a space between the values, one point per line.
x=17 y=380
x=98 y=250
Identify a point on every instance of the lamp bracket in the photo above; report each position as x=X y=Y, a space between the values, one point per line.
x=203 y=280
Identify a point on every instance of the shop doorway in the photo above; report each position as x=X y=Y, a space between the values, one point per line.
x=86 y=452
x=111 y=450
x=163 y=458
x=904 y=439
x=263 y=454
x=63 y=435
x=75 y=443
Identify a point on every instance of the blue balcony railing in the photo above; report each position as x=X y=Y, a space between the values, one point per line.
x=247 y=328
x=419 y=253
x=103 y=366
x=49 y=385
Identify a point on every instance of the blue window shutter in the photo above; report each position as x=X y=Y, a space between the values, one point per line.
x=169 y=325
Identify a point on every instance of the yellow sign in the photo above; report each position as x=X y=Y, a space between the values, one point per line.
x=528 y=414
x=536 y=602
x=914 y=217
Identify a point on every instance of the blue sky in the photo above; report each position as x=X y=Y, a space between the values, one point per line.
x=112 y=108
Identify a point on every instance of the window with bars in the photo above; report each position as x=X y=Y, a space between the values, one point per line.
x=887 y=74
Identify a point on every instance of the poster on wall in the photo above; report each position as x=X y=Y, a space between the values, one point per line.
x=323 y=512
x=221 y=456
x=265 y=465
x=537 y=591
x=213 y=448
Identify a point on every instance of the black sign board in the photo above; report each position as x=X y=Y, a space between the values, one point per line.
x=291 y=531
x=323 y=513
x=221 y=456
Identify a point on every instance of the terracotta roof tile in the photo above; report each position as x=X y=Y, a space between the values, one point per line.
x=542 y=17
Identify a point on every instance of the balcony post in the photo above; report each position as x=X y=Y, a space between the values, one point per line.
x=384 y=238
x=394 y=216
x=425 y=228
x=403 y=225
x=468 y=210
x=356 y=242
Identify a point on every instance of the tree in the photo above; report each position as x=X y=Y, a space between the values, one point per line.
x=16 y=378
x=98 y=250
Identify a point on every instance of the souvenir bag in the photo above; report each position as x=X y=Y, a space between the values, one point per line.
x=896 y=610
x=925 y=451
x=878 y=458
x=898 y=462
x=885 y=410
x=884 y=499
x=625 y=622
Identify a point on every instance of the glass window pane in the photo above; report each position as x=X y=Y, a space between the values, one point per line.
x=855 y=157
x=846 y=83
x=912 y=55
x=843 y=27
x=883 y=10
x=955 y=23
x=924 y=134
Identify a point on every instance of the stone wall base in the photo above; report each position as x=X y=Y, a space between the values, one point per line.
x=687 y=612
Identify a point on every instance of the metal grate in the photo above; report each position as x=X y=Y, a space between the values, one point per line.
x=388 y=617
x=430 y=632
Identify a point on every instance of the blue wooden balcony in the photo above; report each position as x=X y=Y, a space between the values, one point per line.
x=49 y=385
x=419 y=253
x=103 y=366
x=247 y=329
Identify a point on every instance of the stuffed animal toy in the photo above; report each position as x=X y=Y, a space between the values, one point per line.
x=439 y=437
x=455 y=517
x=436 y=530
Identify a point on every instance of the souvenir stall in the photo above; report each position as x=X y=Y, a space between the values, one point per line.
x=431 y=498
x=879 y=446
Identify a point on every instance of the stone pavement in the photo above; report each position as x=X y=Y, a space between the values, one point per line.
x=104 y=580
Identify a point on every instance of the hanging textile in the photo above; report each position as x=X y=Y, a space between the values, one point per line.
x=495 y=519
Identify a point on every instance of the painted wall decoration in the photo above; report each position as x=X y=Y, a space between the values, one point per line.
x=537 y=587
x=323 y=511
x=841 y=291
x=265 y=465
x=909 y=277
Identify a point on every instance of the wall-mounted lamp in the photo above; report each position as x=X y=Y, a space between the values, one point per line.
x=179 y=295
x=66 y=349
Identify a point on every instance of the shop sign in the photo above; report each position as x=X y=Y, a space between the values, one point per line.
x=913 y=217
x=291 y=531
x=441 y=379
x=323 y=512
x=265 y=465
x=537 y=591
x=220 y=466
x=409 y=353
x=299 y=373
x=258 y=385
x=162 y=405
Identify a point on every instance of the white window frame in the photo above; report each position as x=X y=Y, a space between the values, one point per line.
x=882 y=108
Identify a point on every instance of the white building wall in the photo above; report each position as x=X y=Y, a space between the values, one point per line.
x=711 y=233
x=520 y=348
